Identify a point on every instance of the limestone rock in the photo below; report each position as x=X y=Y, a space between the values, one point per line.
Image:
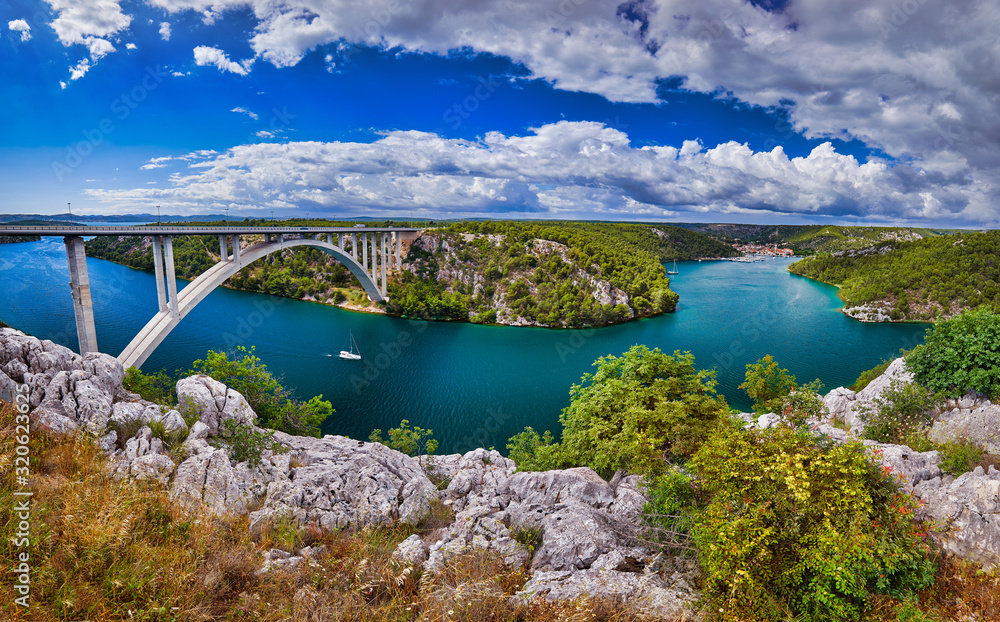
x=630 y=498
x=477 y=528
x=969 y=509
x=344 y=481
x=52 y=417
x=478 y=478
x=574 y=536
x=670 y=598
x=156 y=467
x=207 y=480
x=214 y=402
x=550 y=487
x=980 y=425
x=838 y=402
x=412 y=550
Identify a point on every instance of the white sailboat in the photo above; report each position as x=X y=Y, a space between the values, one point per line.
x=351 y=354
x=674 y=271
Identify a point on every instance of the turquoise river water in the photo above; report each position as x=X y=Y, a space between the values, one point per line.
x=473 y=385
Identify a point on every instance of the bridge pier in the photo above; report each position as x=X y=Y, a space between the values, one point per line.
x=161 y=292
x=79 y=284
x=385 y=260
x=223 y=248
x=354 y=245
x=168 y=248
x=236 y=249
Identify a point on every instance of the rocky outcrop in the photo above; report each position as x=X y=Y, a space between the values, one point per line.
x=844 y=404
x=966 y=509
x=575 y=532
x=974 y=419
x=338 y=481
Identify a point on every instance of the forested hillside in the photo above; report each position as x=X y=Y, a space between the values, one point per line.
x=544 y=274
x=808 y=239
x=926 y=279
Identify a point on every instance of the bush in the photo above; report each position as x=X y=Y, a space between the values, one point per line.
x=410 y=441
x=801 y=405
x=158 y=388
x=959 y=457
x=960 y=355
x=765 y=381
x=899 y=410
x=795 y=528
x=629 y=414
x=245 y=443
x=274 y=406
x=669 y=514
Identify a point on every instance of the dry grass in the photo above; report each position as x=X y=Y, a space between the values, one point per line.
x=105 y=549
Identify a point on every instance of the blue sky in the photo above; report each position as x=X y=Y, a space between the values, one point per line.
x=876 y=112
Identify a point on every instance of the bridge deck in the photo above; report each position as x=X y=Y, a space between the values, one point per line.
x=88 y=231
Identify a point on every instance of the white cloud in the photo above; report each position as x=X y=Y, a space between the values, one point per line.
x=62 y=85
x=265 y=134
x=916 y=79
x=204 y=55
x=79 y=19
x=19 y=25
x=75 y=73
x=131 y=46
x=99 y=48
x=165 y=31
x=562 y=169
x=242 y=110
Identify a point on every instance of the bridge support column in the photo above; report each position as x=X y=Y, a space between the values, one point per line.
x=236 y=249
x=364 y=252
x=267 y=237
x=161 y=292
x=340 y=240
x=385 y=260
x=395 y=245
x=168 y=247
x=223 y=249
x=329 y=239
x=79 y=284
x=354 y=245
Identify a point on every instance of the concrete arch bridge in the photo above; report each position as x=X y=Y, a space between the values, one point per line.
x=369 y=253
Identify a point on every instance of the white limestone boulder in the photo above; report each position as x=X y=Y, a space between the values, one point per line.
x=213 y=402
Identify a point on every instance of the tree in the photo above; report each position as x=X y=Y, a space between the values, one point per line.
x=274 y=406
x=765 y=381
x=632 y=412
x=961 y=354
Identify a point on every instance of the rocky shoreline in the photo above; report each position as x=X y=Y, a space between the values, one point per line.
x=576 y=533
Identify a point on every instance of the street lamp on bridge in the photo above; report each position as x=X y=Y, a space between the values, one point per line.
x=157 y=214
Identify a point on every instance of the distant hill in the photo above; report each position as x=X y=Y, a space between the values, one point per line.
x=810 y=239
x=926 y=279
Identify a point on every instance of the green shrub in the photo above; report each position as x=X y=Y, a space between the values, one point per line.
x=959 y=355
x=899 y=410
x=669 y=514
x=632 y=411
x=801 y=405
x=795 y=528
x=245 y=443
x=158 y=388
x=959 y=457
x=410 y=441
x=124 y=430
x=275 y=407
x=765 y=382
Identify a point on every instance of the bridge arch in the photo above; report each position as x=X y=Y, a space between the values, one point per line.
x=157 y=329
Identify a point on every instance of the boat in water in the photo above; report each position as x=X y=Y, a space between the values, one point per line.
x=352 y=353
x=674 y=271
